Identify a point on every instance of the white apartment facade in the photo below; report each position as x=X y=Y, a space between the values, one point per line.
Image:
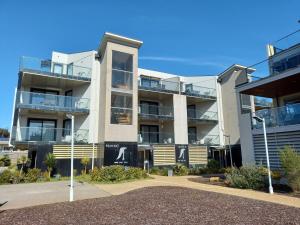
x=123 y=114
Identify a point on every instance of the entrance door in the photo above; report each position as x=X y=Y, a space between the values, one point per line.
x=149 y=134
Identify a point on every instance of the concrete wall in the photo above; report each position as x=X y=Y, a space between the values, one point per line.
x=180 y=119
x=117 y=132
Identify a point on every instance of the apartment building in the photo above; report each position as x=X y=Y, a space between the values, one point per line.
x=276 y=79
x=124 y=115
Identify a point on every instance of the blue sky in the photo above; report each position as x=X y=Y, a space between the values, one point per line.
x=180 y=37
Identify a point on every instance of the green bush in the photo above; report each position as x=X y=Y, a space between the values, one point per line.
x=5 y=177
x=5 y=161
x=180 y=170
x=116 y=174
x=247 y=177
x=32 y=175
x=290 y=162
x=213 y=166
x=16 y=177
x=155 y=170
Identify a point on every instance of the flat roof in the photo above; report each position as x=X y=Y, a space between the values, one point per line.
x=110 y=37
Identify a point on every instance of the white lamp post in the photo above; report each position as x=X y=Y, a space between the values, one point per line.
x=228 y=136
x=72 y=158
x=262 y=120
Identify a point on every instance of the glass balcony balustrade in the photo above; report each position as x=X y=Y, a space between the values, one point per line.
x=44 y=134
x=149 y=111
x=205 y=140
x=56 y=69
x=193 y=114
x=41 y=101
x=199 y=91
x=151 y=84
x=279 y=116
x=155 y=138
x=122 y=116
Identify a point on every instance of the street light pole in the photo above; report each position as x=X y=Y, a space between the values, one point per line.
x=262 y=120
x=267 y=155
x=229 y=145
x=72 y=158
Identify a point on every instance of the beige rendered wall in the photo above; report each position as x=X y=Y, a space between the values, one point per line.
x=116 y=132
x=180 y=119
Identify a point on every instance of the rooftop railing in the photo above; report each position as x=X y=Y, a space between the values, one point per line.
x=151 y=84
x=193 y=114
x=40 y=101
x=56 y=69
x=199 y=91
x=205 y=140
x=48 y=135
x=155 y=112
x=155 y=138
x=279 y=116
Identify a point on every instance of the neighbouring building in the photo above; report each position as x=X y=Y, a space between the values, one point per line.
x=278 y=79
x=123 y=114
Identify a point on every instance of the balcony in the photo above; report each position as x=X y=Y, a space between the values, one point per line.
x=156 y=85
x=48 y=135
x=54 y=69
x=205 y=117
x=279 y=116
x=148 y=111
x=209 y=140
x=49 y=102
x=201 y=92
x=155 y=138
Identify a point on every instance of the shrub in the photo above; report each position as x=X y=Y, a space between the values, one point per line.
x=180 y=170
x=116 y=174
x=155 y=170
x=248 y=177
x=50 y=162
x=16 y=177
x=23 y=161
x=290 y=162
x=5 y=161
x=213 y=166
x=33 y=175
x=85 y=161
x=5 y=177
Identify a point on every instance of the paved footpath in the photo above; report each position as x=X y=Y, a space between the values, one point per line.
x=117 y=189
x=23 y=195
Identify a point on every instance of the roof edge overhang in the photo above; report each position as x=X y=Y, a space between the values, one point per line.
x=235 y=67
x=118 y=39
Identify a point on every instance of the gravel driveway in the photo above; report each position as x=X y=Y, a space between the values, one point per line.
x=157 y=205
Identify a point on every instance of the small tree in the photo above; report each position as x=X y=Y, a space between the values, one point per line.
x=85 y=161
x=290 y=162
x=23 y=161
x=50 y=162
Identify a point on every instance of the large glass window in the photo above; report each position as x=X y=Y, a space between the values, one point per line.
x=122 y=70
x=43 y=97
x=41 y=130
x=121 y=109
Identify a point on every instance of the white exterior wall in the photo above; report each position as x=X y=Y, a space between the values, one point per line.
x=180 y=119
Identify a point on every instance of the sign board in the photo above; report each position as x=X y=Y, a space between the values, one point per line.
x=182 y=154
x=120 y=153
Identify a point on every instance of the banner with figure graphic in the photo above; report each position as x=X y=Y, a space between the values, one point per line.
x=182 y=154
x=120 y=153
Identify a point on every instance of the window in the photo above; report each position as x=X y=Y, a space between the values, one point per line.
x=57 y=68
x=68 y=99
x=41 y=130
x=148 y=107
x=70 y=69
x=191 y=111
x=122 y=70
x=192 y=135
x=148 y=82
x=149 y=133
x=121 y=109
x=43 y=97
x=66 y=127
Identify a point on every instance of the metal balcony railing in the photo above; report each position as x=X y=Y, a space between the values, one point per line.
x=40 y=101
x=205 y=140
x=279 y=116
x=148 y=111
x=193 y=114
x=155 y=138
x=56 y=69
x=198 y=91
x=146 y=83
x=48 y=135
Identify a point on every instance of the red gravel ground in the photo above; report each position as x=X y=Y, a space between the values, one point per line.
x=157 y=205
